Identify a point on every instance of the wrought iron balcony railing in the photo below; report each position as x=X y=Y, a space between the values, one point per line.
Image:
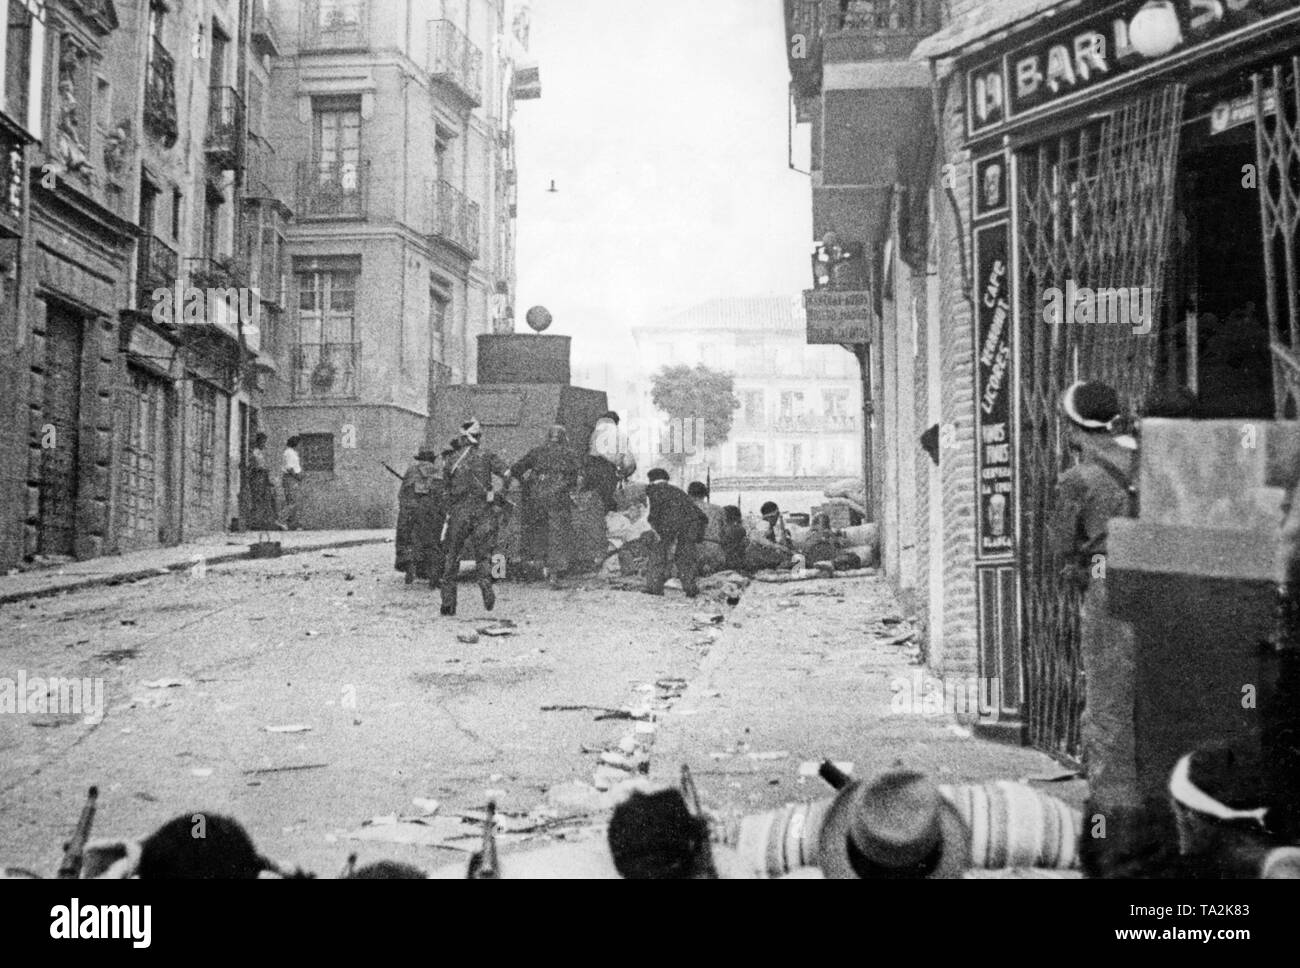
x=452 y=58
x=206 y=272
x=335 y=25
x=13 y=177
x=878 y=29
x=885 y=16
x=337 y=190
x=160 y=95
x=264 y=38
x=259 y=167
x=225 y=124
x=325 y=369
x=157 y=268
x=455 y=218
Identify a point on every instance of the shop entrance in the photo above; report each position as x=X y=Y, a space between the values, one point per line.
x=1094 y=213
x=1216 y=340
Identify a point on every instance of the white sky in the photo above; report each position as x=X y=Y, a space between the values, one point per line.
x=663 y=125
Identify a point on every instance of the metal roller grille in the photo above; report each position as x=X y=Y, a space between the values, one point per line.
x=1277 y=147
x=1095 y=208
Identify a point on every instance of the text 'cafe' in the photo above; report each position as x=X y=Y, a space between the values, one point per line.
x=1146 y=146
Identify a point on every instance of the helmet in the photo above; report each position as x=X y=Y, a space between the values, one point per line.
x=626 y=465
x=557 y=433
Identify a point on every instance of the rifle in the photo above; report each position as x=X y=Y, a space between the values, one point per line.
x=391 y=471
x=74 y=850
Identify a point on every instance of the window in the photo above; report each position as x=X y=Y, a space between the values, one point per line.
x=23 y=53
x=794 y=459
x=327 y=352
x=791 y=404
x=160 y=81
x=753 y=406
x=835 y=404
x=148 y=205
x=337 y=140
x=213 y=203
x=438 y=305
x=178 y=201
x=316 y=452
x=749 y=458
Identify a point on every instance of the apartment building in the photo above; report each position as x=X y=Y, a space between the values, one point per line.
x=969 y=159
x=799 y=420
x=392 y=121
x=239 y=216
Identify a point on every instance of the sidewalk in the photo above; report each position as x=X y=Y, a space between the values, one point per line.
x=214 y=549
x=806 y=676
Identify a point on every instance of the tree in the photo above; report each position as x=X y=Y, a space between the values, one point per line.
x=699 y=398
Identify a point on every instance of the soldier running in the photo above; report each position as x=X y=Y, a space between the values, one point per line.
x=473 y=518
x=550 y=474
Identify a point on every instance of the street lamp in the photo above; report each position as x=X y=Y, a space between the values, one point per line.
x=1154 y=30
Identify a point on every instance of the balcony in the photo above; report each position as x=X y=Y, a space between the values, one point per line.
x=259 y=168
x=160 y=96
x=332 y=190
x=264 y=39
x=157 y=268
x=866 y=30
x=455 y=61
x=335 y=25
x=225 y=126
x=455 y=219
x=205 y=272
x=815 y=423
x=13 y=177
x=322 y=370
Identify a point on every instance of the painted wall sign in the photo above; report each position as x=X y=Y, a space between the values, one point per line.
x=839 y=315
x=991 y=183
x=1101 y=47
x=995 y=527
x=1226 y=115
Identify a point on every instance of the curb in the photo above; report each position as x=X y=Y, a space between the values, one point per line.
x=130 y=577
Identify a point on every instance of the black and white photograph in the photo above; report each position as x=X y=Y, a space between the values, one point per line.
x=690 y=439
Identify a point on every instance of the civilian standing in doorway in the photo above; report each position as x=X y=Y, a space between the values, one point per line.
x=291 y=481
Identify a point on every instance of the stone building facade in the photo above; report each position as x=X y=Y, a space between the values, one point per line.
x=198 y=196
x=394 y=121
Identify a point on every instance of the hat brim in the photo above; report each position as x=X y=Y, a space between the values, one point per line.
x=833 y=850
x=1071 y=411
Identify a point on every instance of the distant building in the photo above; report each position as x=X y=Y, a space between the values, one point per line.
x=800 y=416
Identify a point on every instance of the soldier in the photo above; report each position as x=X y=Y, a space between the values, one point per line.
x=472 y=518
x=680 y=526
x=550 y=475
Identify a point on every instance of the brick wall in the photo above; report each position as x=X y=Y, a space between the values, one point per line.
x=957 y=461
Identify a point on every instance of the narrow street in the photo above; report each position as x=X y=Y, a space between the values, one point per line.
x=324 y=704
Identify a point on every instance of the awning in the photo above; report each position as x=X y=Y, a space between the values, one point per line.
x=988 y=24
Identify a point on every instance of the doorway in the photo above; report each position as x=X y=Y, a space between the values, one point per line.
x=60 y=433
x=1217 y=339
